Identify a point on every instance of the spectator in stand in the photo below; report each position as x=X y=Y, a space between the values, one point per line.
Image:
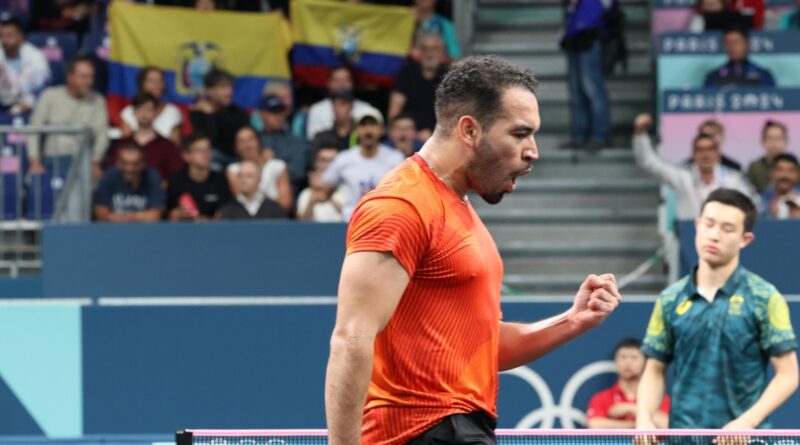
x=698 y=23
x=615 y=407
x=205 y=5
x=61 y=15
x=96 y=45
x=716 y=131
x=403 y=135
x=24 y=70
x=168 y=121
x=297 y=119
x=691 y=183
x=343 y=129
x=131 y=191
x=321 y=114
x=428 y=21
x=217 y=116
x=251 y=203
x=738 y=70
x=294 y=151
x=313 y=204
x=589 y=103
x=159 y=152
x=782 y=198
x=775 y=140
x=416 y=85
x=360 y=169
x=791 y=20
x=753 y=8
x=72 y=104
x=275 y=183
x=196 y=193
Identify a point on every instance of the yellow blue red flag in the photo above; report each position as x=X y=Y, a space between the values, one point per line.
x=186 y=44
x=373 y=40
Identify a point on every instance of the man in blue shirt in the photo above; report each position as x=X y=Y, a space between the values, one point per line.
x=131 y=191
x=295 y=151
x=722 y=326
x=782 y=198
x=584 y=30
x=738 y=71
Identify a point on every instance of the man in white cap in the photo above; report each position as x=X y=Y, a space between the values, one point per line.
x=361 y=168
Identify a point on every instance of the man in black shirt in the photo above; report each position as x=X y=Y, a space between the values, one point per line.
x=415 y=89
x=218 y=117
x=251 y=203
x=196 y=192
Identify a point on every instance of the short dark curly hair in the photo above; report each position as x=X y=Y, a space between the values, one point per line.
x=474 y=86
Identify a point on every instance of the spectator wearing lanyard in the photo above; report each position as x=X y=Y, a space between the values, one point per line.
x=739 y=70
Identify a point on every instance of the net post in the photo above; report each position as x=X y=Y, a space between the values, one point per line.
x=183 y=437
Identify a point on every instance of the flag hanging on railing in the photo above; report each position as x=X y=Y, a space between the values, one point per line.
x=373 y=40
x=186 y=44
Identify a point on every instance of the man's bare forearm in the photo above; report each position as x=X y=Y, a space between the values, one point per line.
x=349 y=371
x=521 y=343
x=650 y=393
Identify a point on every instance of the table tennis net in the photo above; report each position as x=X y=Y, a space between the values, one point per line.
x=515 y=437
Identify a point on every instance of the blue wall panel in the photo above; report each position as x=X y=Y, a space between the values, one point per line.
x=154 y=369
x=159 y=369
x=242 y=259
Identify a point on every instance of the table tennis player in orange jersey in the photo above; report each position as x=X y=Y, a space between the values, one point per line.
x=419 y=339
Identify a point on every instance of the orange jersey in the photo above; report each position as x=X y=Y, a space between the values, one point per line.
x=438 y=355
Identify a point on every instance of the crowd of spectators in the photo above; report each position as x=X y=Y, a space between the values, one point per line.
x=771 y=182
x=291 y=157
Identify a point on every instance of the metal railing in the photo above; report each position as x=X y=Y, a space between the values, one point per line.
x=62 y=195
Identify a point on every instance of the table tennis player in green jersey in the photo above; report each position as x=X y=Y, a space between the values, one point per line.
x=721 y=326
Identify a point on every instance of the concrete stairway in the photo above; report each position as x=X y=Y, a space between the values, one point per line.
x=527 y=32
x=573 y=216
x=20 y=252
x=576 y=213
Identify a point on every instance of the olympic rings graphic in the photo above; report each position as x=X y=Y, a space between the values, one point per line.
x=546 y=415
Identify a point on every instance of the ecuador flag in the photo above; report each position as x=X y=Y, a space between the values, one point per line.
x=186 y=44
x=373 y=40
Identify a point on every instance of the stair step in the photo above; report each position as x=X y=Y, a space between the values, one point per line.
x=574 y=232
x=550 y=201
x=581 y=265
x=516 y=3
x=553 y=285
x=546 y=22
x=586 y=216
x=543 y=13
x=555 y=156
x=20 y=224
x=13 y=248
x=551 y=65
x=556 y=119
x=549 y=44
x=524 y=249
x=530 y=184
x=600 y=171
x=549 y=39
x=557 y=91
